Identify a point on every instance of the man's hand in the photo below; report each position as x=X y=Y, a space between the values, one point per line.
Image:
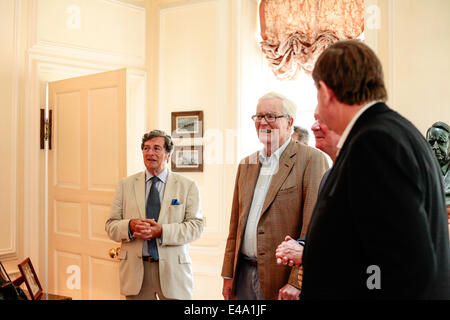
x=156 y=228
x=289 y=292
x=145 y=229
x=289 y=252
x=226 y=290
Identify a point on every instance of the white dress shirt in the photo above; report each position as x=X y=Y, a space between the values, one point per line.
x=269 y=166
x=350 y=125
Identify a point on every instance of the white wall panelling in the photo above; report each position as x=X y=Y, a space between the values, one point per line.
x=54 y=56
x=9 y=209
x=112 y=32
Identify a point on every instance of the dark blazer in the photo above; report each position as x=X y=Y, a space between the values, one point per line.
x=382 y=204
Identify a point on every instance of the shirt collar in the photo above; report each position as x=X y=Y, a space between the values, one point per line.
x=277 y=154
x=352 y=123
x=162 y=175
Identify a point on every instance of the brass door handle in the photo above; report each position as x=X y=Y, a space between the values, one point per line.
x=113 y=253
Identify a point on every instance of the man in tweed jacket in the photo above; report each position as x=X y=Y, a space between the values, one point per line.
x=275 y=193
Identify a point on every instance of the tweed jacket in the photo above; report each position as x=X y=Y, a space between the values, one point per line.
x=286 y=210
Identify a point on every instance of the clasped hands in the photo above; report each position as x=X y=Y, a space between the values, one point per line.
x=289 y=252
x=145 y=229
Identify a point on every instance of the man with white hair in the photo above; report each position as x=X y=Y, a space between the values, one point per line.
x=300 y=134
x=275 y=193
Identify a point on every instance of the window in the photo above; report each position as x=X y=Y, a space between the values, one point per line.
x=256 y=79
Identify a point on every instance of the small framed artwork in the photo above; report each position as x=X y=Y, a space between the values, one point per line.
x=187 y=159
x=187 y=124
x=31 y=279
x=4 y=278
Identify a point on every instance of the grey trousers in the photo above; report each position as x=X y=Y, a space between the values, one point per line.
x=151 y=287
x=247 y=280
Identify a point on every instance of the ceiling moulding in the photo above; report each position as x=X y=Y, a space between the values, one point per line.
x=47 y=48
x=39 y=44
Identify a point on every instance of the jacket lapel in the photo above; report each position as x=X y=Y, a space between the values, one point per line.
x=169 y=194
x=285 y=164
x=249 y=182
x=139 y=191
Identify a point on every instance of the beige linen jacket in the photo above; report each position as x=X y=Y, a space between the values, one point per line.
x=287 y=210
x=181 y=224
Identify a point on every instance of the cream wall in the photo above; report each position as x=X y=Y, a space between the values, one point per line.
x=421 y=63
x=413 y=45
x=8 y=127
x=192 y=69
x=48 y=40
x=10 y=66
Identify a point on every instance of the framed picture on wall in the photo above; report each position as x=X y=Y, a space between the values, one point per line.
x=187 y=124
x=31 y=279
x=187 y=159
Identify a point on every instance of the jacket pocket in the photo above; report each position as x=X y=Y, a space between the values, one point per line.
x=176 y=213
x=122 y=255
x=287 y=191
x=184 y=259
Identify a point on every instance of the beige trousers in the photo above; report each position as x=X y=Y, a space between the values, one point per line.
x=151 y=287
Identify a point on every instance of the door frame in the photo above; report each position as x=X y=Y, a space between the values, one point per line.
x=38 y=69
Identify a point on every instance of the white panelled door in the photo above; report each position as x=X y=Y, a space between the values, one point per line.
x=87 y=159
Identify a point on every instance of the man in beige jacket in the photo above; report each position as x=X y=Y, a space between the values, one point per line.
x=275 y=194
x=155 y=214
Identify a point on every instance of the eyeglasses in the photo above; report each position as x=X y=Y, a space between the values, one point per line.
x=268 y=116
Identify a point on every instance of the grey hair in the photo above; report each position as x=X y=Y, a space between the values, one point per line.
x=302 y=133
x=289 y=106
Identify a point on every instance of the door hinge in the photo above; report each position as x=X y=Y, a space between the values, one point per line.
x=46 y=129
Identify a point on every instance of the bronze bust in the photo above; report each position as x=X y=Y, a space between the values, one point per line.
x=438 y=136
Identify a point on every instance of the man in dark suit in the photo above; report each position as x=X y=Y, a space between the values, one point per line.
x=379 y=229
